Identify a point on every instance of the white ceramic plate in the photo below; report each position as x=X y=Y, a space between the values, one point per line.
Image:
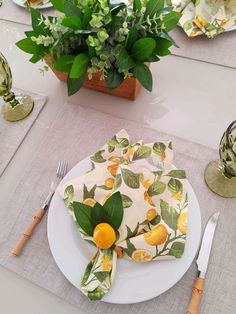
x=44 y=6
x=134 y=282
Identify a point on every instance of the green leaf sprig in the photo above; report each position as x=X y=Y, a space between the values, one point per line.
x=89 y=217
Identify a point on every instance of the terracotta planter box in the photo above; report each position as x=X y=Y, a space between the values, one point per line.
x=128 y=89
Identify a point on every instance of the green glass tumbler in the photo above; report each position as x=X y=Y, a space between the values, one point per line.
x=220 y=175
x=15 y=107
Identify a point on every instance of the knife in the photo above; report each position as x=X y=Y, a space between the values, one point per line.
x=202 y=263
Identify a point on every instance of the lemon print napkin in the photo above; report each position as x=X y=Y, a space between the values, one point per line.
x=209 y=17
x=155 y=206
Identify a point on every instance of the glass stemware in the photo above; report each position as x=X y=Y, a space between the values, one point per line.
x=15 y=107
x=220 y=175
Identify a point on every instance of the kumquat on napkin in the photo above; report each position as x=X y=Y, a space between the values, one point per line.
x=131 y=204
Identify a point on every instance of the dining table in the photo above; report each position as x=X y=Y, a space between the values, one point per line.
x=192 y=99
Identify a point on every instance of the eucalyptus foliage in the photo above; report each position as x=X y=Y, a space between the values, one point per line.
x=116 y=39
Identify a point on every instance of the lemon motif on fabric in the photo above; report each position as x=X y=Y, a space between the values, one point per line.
x=182 y=222
x=156 y=236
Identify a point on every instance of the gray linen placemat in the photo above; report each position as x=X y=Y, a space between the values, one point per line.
x=10 y=11
x=13 y=133
x=76 y=133
x=219 y=50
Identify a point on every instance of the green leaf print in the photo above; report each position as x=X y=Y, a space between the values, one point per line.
x=169 y=214
x=101 y=275
x=131 y=233
x=126 y=200
x=118 y=181
x=179 y=174
x=97 y=157
x=87 y=273
x=156 y=188
x=68 y=196
x=142 y=152
x=155 y=221
x=96 y=294
x=89 y=193
x=123 y=142
x=159 y=148
x=130 y=248
x=175 y=186
x=177 y=249
x=187 y=25
x=131 y=179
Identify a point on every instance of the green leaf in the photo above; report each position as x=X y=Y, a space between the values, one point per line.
x=116 y=7
x=97 y=157
x=142 y=152
x=126 y=201
x=131 y=38
x=169 y=214
x=36 y=16
x=73 y=85
x=101 y=275
x=96 y=294
x=159 y=148
x=143 y=48
x=79 y=66
x=58 y=5
x=155 y=221
x=156 y=188
x=152 y=58
x=99 y=215
x=130 y=248
x=113 y=78
x=29 y=33
x=162 y=47
x=175 y=186
x=137 y=5
x=89 y=193
x=114 y=210
x=131 y=179
x=83 y=215
x=143 y=75
x=72 y=10
x=35 y=58
x=87 y=273
x=179 y=174
x=171 y=20
x=153 y=6
x=73 y=22
x=27 y=45
x=124 y=60
x=87 y=17
x=64 y=63
x=118 y=181
x=130 y=233
x=164 y=34
x=177 y=249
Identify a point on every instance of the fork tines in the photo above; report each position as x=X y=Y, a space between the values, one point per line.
x=62 y=169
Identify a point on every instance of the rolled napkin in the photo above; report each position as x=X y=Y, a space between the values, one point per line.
x=209 y=17
x=154 y=202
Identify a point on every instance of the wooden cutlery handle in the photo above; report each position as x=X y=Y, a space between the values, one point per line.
x=193 y=307
x=28 y=232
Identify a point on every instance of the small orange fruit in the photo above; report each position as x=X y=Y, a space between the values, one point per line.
x=104 y=235
x=141 y=255
x=146 y=183
x=115 y=159
x=113 y=169
x=109 y=183
x=182 y=222
x=90 y=202
x=151 y=214
x=156 y=236
x=148 y=199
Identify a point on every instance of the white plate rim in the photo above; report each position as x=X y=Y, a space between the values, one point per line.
x=112 y=297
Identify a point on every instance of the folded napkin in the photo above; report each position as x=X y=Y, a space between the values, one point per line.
x=209 y=17
x=155 y=206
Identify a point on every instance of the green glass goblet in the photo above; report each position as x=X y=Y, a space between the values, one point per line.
x=220 y=175
x=15 y=107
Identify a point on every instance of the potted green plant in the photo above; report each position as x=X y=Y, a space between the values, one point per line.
x=103 y=40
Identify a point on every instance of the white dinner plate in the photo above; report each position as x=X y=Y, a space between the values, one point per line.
x=134 y=282
x=44 y=6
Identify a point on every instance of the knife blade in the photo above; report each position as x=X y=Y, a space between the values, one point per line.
x=202 y=263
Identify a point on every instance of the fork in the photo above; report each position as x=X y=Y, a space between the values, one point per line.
x=60 y=173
